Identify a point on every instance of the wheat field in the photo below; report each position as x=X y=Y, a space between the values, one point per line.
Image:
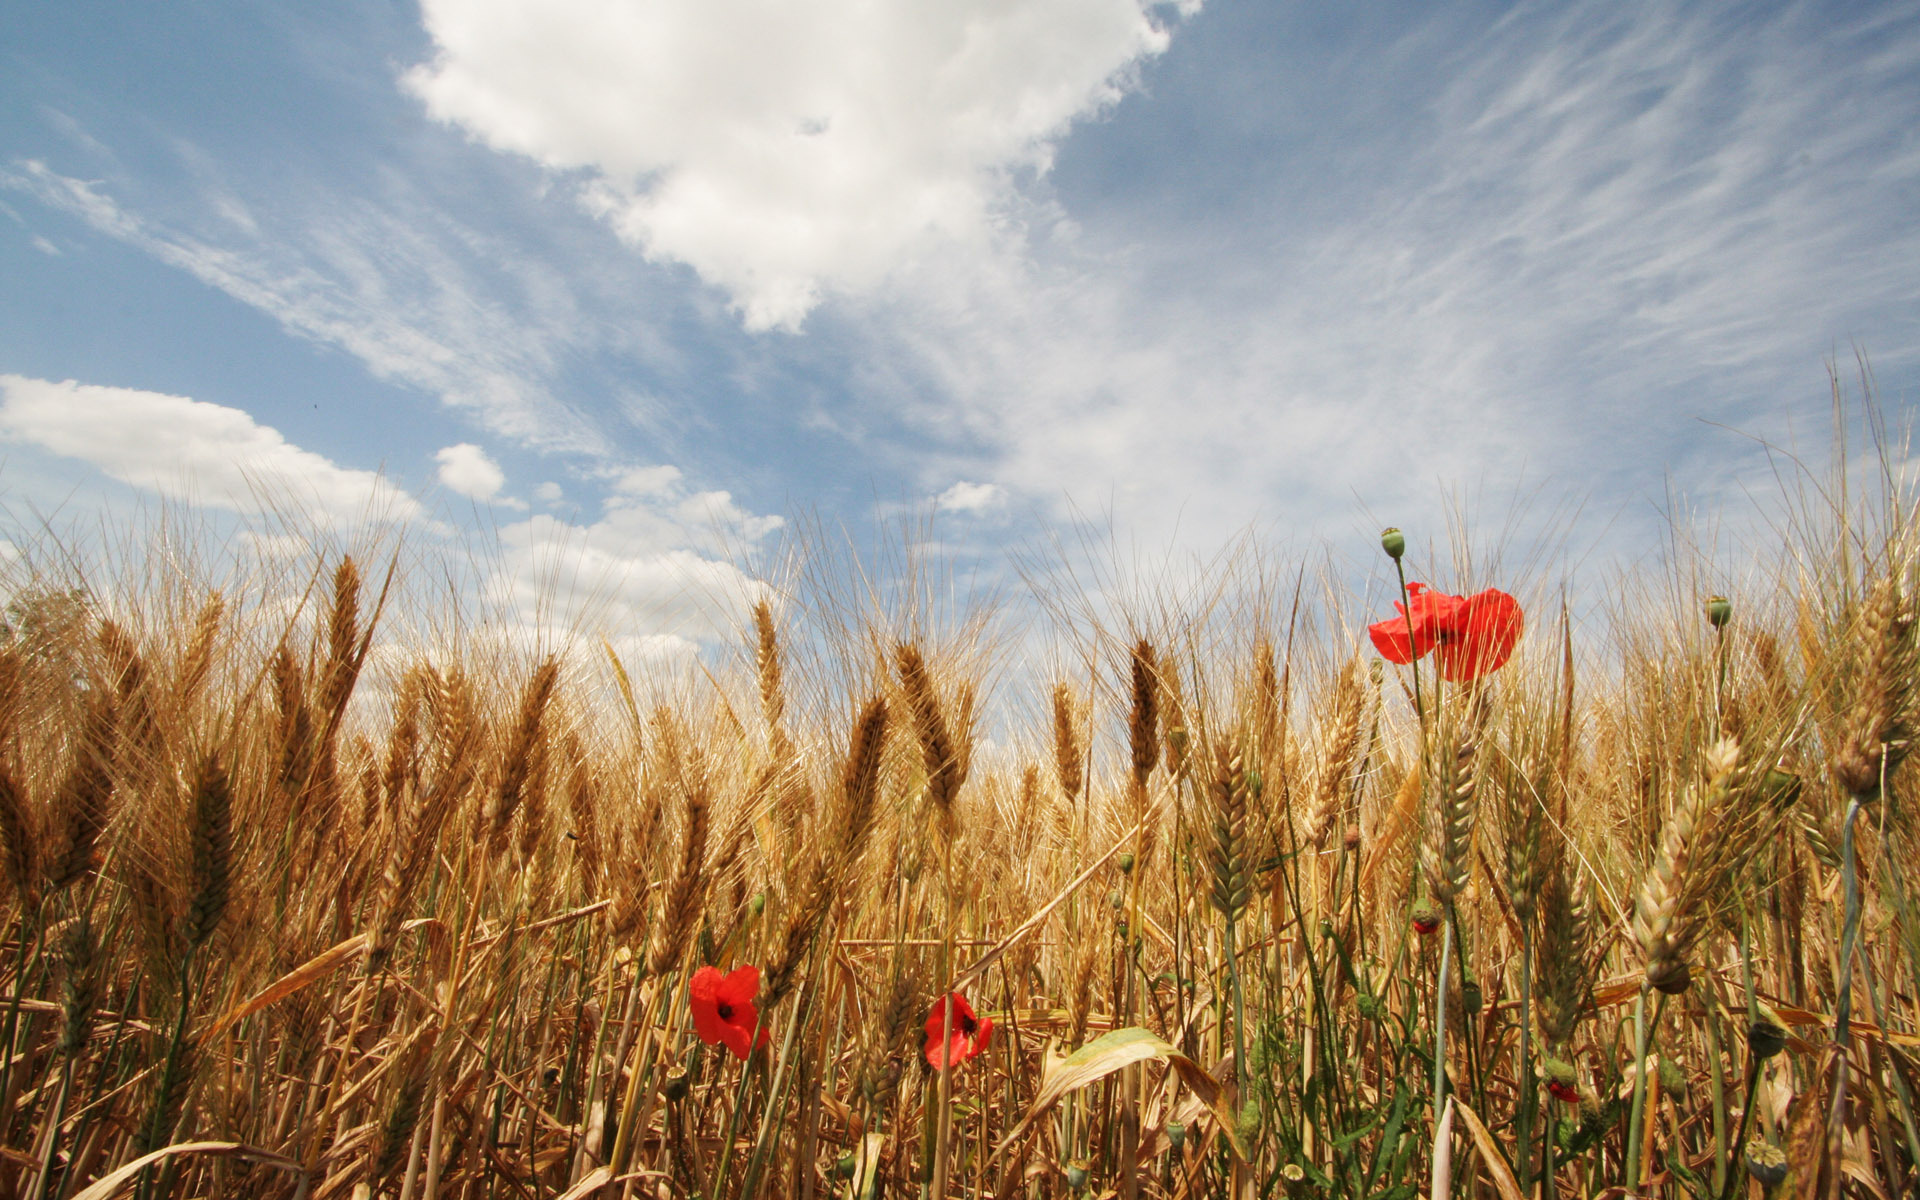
x=1206 y=901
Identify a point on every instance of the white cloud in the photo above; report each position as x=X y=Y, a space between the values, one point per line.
x=548 y=492
x=658 y=565
x=191 y=450
x=1600 y=229
x=785 y=151
x=466 y=469
x=970 y=497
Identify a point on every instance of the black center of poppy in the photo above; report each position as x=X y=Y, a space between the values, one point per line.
x=725 y=1010
x=968 y=1026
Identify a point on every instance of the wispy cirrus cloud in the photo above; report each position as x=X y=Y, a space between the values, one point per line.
x=387 y=285
x=1597 y=227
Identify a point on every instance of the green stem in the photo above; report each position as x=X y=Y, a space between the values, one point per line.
x=1843 y=998
x=1639 y=1090
x=1440 y=1018
x=1523 y=1072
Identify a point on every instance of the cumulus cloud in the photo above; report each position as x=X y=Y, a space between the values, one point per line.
x=785 y=151
x=658 y=564
x=466 y=469
x=970 y=497
x=191 y=450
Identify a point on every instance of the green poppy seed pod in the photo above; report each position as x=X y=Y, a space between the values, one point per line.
x=1326 y=930
x=1120 y=929
x=1254 y=783
x=1766 y=1163
x=676 y=1086
x=1115 y=899
x=1671 y=1080
x=1719 y=611
x=758 y=904
x=1126 y=862
x=1176 y=1134
x=1470 y=997
x=1076 y=1173
x=1249 y=1124
x=1393 y=542
x=843 y=1166
x=1294 y=1172
x=1766 y=1038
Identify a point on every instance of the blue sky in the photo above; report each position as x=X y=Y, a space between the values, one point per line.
x=624 y=291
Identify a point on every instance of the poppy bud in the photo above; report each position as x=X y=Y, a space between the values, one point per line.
x=1719 y=611
x=758 y=904
x=1425 y=916
x=1470 y=997
x=1562 y=1084
x=1254 y=783
x=1766 y=1163
x=843 y=1166
x=1176 y=1134
x=1393 y=542
x=1765 y=1038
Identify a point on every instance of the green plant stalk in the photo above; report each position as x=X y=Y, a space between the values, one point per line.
x=28 y=945
x=1639 y=1090
x=1440 y=1015
x=776 y=1099
x=943 y=1128
x=1406 y=602
x=1725 y=1190
x=156 y=1123
x=1717 y=1077
x=1843 y=989
x=1523 y=1069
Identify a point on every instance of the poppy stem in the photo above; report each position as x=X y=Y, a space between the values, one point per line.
x=1406 y=606
x=943 y=1132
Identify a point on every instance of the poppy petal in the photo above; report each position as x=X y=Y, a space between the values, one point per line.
x=1485 y=631
x=1393 y=640
x=703 y=998
x=740 y=988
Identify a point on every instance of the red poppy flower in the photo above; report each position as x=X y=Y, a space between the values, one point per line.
x=966 y=1037
x=723 y=1008
x=1469 y=635
x=1566 y=1093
